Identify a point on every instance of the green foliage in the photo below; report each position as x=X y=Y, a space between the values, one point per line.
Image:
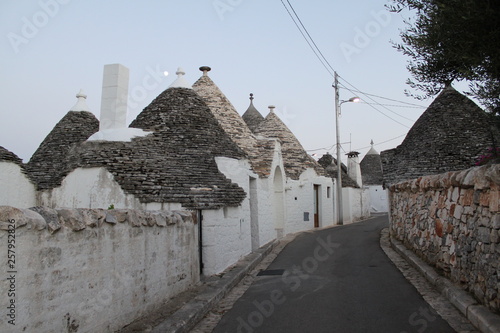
x=112 y=206
x=453 y=40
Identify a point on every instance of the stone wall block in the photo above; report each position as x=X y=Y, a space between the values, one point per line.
x=495 y=221
x=92 y=217
x=110 y=218
x=493 y=174
x=34 y=220
x=159 y=218
x=121 y=215
x=455 y=226
x=8 y=213
x=72 y=219
x=133 y=218
x=51 y=217
x=481 y=182
x=494 y=203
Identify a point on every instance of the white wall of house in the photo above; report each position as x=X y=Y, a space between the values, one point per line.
x=89 y=188
x=16 y=189
x=378 y=199
x=356 y=204
x=227 y=232
x=300 y=202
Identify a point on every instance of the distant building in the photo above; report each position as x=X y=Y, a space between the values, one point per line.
x=371 y=171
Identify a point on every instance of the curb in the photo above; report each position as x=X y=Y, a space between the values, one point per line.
x=184 y=319
x=485 y=320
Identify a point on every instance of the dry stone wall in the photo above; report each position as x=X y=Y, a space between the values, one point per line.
x=91 y=270
x=452 y=221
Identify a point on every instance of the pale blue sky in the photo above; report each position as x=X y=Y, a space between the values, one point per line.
x=252 y=47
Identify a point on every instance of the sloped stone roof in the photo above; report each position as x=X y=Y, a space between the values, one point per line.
x=448 y=136
x=48 y=165
x=371 y=168
x=176 y=163
x=259 y=151
x=8 y=156
x=295 y=158
x=329 y=163
x=252 y=116
x=225 y=113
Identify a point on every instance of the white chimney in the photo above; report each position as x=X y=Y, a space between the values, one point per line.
x=353 y=167
x=114 y=97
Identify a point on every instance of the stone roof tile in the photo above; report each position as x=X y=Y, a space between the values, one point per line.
x=448 y=136
x=8 y=156
x=48 y=165
x=259 y=152
x=295 y=159
x=252 y=116
x=176 y=163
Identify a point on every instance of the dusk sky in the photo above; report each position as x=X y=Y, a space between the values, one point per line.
x=52 y=48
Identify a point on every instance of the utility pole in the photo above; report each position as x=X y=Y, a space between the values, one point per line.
x=339 y=161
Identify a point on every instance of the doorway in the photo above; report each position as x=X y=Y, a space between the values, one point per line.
x=317 y=191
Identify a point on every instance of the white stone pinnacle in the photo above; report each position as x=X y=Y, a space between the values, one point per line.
x=180 y=82
x=81 y=104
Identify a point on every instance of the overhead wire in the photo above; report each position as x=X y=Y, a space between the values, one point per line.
x=326 y=64
x=309 y=43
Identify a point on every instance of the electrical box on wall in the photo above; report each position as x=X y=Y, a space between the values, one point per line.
x=306 y=216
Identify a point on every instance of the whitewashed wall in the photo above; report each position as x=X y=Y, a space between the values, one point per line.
x=378 y=199
x=356 y=204
x=15 y=187
x=98 y=279
x=95 y=188
x=300 y=200
x=226 y=233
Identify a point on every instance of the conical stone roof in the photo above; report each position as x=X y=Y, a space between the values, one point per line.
x=8 y=156
x=225 y=113
x=448 y=136
x=252 y=116
x=49 y=164
x=176 y=163
x=259 y=151
x=371 y=168
x=295 y=158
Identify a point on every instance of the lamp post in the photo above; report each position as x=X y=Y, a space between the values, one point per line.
x=339 y=161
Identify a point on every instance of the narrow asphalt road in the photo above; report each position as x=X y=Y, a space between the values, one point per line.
x=333 y=280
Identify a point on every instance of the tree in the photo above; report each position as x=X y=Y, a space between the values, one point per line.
x=453 y=40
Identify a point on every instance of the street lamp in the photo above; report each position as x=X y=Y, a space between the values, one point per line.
x=339 y=161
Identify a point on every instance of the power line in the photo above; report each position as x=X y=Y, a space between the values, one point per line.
x=325 y=62
x=373 y=107
x=312 y=40
x=376 y=144
x=395 y=106
x=390 y=99
x=309 y=43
